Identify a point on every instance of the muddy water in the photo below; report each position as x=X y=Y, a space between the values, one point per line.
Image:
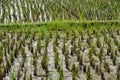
x=44 y=15
x=11 y=14
x=0 y=10
x=30 y=15
x=16 y=13
x=44 y=12
x=40 y=18
x=21 y=12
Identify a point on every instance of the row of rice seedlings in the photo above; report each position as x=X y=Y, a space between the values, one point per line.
x=25 y=11
x=118 y=72
x=56 y=58
x=3 y=14
x=2 y=71
x=35 y=65
x=74 y=72
x=45 y=58
x=60 y=69
x=25 y=73
x=88 y=11
x=90 y=55
x=18 y=74
x=12 y=75
x=18 y=13
x=79 y=57
x=100 y=55
x=67 y=58
x=113 y=57
x=22 y=63
x=39 y=45
x=63 y=47
x=88 y=74
x=65 y=10
x=73 y=48
x=8 y=66
x=56 y=38
x=98 y=42
x=106 y=66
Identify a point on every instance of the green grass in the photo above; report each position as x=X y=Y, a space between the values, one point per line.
x=61 y=25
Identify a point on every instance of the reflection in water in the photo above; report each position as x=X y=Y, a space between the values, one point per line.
x=30 y=14
x=0 y=10
x=16 y=12
x=11 y=13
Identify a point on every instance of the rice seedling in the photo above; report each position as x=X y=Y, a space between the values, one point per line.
x=88 y=74
x=39 y=45
x=25 y=73
x=8 y=65
x=31 y=77
x=63 y=47
x=73 y=49
x=67 y=35
x=19 y=74
x=106 y=66
x=118 y=72
x=1 y=55
x=56 y=58
x=60 y=70
x=2 y=74
x=74 y=72
x=54 y=47
x=56 y=40
x=98 y=42
x=23 y=53
x=45 y=61
x=80 y=59
x=35 y=66
x=91 y=55
x=101 y=54
x=12 y=75
x=79 y=43
x=84 y=69
x=67 y=58
x=12 y=58
x=102 y=76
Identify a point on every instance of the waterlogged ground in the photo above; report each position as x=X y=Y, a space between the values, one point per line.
x=33 y=54
x=21 y=11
